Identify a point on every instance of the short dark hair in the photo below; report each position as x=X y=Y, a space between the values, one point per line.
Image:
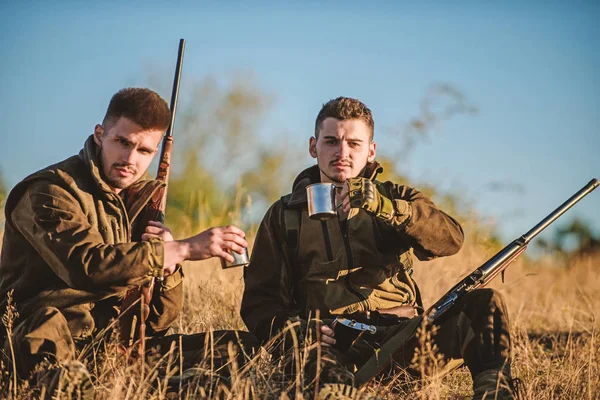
x=142 y=106
x=344 y=108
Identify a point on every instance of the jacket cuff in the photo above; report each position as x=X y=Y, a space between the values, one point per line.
x=156 y=258
x=386 y=208
x=402 y=213
x=173 y=280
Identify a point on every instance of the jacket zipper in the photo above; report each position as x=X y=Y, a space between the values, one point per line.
x=124 y=211
x=362 y=300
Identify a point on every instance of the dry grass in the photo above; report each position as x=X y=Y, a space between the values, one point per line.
x=554 y=330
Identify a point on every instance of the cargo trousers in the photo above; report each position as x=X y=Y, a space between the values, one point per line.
x=474 y=331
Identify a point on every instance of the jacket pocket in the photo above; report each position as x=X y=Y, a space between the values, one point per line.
x=396 y=290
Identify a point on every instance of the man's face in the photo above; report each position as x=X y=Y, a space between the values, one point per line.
x=342 y=149
x=125 y=151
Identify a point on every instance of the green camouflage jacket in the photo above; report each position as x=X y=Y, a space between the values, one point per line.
x=336 y=267
x=67 y=244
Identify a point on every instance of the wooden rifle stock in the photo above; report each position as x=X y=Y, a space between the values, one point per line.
x=135 y=307
x=500 y=261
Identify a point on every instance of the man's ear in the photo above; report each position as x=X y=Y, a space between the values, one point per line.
x=372 y=151
x=312 y=147
x=98 y=132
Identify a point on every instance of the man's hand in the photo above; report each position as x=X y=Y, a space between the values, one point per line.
x=327 y=336
x=157 y=230
x=215 y=242
x=362 y=193
x=344 y=199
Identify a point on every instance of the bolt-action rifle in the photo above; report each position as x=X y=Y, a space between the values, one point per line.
x=499 y=262
x=135 y=307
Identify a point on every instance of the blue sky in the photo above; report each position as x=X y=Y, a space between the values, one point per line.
x=530 y=69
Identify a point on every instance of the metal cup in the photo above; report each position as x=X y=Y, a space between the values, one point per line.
x=321 y=201
x=239 y=260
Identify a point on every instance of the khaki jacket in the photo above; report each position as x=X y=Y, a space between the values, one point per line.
x=341 y=267
x=67 y=244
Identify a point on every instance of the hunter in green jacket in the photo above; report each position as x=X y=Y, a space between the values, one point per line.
x=68 y=256
x=359 y=266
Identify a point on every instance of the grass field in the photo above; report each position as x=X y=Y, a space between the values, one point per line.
x=554 y=331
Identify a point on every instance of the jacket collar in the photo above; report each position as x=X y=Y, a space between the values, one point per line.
x=137 y=195
x=89 y=156
x=312 y=175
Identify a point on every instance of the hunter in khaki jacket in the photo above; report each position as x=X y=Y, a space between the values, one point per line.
x=68 y=257
x=55 y=252
x=54 y=255
x=364 y=266
x=344 y=285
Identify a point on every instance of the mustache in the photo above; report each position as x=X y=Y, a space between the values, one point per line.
x=125 y=166
x=342 y=161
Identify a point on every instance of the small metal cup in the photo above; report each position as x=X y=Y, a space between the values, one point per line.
x=239 y=260
x=321 y=201
x=347 y=331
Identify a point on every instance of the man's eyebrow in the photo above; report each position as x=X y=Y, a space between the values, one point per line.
x=357 y=140
x=123 y=138
x=130 y=143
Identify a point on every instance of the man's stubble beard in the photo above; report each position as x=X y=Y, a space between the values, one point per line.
x=337 y=179
x=333 y=179
x=117 y=183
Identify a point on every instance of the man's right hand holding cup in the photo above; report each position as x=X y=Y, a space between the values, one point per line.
x=213 y=242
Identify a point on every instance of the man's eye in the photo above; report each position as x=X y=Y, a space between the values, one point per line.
x=144 y=151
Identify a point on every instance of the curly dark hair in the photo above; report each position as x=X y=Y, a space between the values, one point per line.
x=344 y=108
x=142 y=106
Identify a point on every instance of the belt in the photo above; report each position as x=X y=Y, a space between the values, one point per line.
x=384 y=317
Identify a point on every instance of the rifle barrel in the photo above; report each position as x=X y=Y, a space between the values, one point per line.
x=490 y=269
x=593 y=184
x=164 y=167
x=176 y=80
x=495 y=265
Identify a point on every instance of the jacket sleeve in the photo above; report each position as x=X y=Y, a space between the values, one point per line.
x=267 y=301
x=51 y=220
x=166 y=304
x=430 y=231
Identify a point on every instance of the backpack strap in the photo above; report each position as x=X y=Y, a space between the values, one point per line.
x=290 y=220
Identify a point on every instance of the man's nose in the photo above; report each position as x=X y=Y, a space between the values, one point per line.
x=343 y=149
x=129 y=157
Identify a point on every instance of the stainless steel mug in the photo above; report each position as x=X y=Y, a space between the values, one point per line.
x=239 y=260
x=321 y=201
